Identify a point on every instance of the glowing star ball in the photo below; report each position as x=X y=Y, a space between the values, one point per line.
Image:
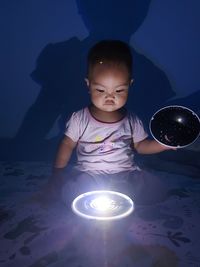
x=175 y=126
x=103 y=205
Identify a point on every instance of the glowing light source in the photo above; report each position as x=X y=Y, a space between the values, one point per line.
x=103 y=205
x=175 y=126
x=179 y=119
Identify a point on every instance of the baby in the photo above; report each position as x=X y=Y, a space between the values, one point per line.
x=105 y=134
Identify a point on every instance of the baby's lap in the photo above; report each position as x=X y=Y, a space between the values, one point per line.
x=128 y=180
x=143 y=186
x=144 y=177
x=121 y=177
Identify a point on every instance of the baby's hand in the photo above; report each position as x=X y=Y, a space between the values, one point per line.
x=165 y=148
x=49 y=194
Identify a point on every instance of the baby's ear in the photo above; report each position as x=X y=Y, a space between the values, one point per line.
x=87 y=82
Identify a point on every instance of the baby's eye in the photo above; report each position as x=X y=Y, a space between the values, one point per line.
x=100 y=90
x=120 y=90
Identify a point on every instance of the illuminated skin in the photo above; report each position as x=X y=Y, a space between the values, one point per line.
x=108 y=87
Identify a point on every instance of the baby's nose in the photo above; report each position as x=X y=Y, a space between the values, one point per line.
x=111 y=95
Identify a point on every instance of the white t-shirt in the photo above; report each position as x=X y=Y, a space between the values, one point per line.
x=104 y=147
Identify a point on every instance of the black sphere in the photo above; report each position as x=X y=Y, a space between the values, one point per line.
x=175 y=126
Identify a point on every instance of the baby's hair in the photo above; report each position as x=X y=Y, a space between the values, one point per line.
x=110 y=52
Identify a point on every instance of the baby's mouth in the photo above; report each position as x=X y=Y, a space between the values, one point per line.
x=109 y=102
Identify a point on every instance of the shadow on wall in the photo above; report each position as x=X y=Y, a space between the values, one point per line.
x=61 y=69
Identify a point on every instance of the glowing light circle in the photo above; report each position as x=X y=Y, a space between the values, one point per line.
x=103 y=205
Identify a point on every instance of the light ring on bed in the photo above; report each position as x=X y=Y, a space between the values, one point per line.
x=103 y=205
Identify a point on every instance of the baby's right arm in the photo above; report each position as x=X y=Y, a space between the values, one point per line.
x=64 y=152
x=51 y=191
x=63 y=155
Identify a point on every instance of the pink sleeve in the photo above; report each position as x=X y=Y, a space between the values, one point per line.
x=73 y=127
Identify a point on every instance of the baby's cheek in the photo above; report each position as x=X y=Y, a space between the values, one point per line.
x=97 y=98
x=122 y=99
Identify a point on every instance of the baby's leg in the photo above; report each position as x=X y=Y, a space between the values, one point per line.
x=78 y=183
x=146 y=188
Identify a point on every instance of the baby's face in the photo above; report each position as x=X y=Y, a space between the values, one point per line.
x=108 y=87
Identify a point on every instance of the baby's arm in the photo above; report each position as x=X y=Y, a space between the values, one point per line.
x=63 y=155
x=148 y=146
x=51 y=191
x=64 y=152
